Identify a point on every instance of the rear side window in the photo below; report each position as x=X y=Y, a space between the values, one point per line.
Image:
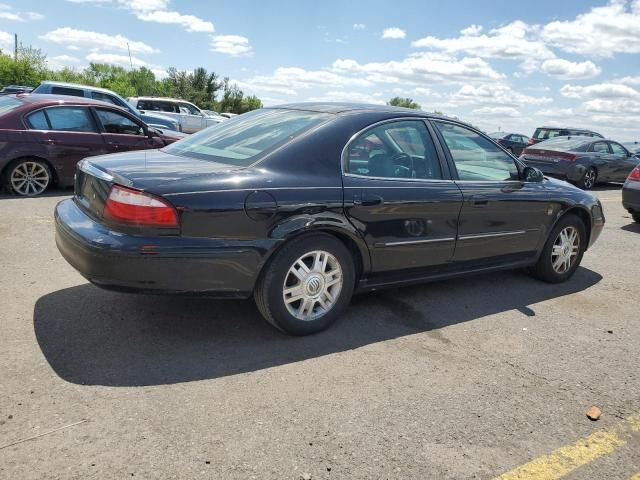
x=475 y=157
x=74 y=92
x=160 y=106
x=247 y=138
x=402 y=149
x=600 y=147
x=71 y=119
x=546 y=133
x=38 y=120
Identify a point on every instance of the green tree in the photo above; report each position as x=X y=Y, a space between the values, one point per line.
x=28 y=69
x=403 y=102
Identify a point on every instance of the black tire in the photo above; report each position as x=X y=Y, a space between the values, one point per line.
x=543 y=269
x=268 y=293
x=41 y=180
x=589 y=179
x=636 y=217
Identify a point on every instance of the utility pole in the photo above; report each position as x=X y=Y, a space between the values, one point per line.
x=15 y=47
x=130 y=61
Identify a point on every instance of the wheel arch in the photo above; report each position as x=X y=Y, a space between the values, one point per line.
x=5 y=169
x=583 y=214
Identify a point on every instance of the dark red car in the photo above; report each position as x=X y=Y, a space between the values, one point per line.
x=43 y=137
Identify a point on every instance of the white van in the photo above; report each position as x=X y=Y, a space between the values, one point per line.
x=190 y=117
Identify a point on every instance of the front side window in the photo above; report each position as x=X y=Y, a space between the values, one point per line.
x=103 y=97
x=475 y=157
x=618 y=149
x=247 y=138
x=114 y=122
x=70 y=119
x=402 y=149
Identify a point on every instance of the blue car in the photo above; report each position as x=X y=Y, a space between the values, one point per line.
x=102 y=94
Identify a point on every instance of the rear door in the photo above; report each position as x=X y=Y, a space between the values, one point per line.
x=399 y=195
x=122 y=132
x=502 y=218
x=71 y=135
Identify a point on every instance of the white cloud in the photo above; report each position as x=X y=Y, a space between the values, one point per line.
x=394 y=33
x=471 y=30
x=189 y=22
x=629 y=80
x=494 y=95
x=71 y=37
x=234 y=45
x=359 y=26
x=599 y=90
x=513 y=41
x=566 y=70
x=61 y=61
x=6 y=40
x=342 y=96
x=601 y=32
x=497 y=111
x=8 y=13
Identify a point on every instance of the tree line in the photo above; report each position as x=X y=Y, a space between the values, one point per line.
x=206 y=89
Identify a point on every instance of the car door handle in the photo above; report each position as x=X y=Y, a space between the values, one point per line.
x=510 y=188
x=115 y=144
x=52 y=141
x=368 y=200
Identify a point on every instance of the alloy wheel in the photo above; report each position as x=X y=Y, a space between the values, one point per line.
x=565 y=250
x=30 y=179
x=590 y=178
x=312 y=285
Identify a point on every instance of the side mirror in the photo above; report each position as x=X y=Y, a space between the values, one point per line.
x=532 y=175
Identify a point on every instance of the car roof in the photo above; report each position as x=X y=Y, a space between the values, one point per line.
x=169 y=99
x=340 y=108
x=77 y=85
x=571 y=128
x=47 y=99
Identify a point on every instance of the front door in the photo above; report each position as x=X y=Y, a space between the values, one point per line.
x=192 y=118
x=122 y=133
x=622 y=162
x=502 y=216
x=399 y=196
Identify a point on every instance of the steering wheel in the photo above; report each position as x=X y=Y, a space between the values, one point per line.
x=401 y=170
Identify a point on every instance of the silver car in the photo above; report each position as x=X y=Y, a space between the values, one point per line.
x=190 y=117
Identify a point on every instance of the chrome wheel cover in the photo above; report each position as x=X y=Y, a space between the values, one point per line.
x=590 y=178
x=565 y=249
x=312 y=285
x=29 y=179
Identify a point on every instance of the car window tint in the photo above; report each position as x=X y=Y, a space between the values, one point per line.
x=74 y=92
x=38 y=120
x=162 y=106
x=190 y=109
x=103 y=97
x=114 y=122
x=600 y=147
x=401 y=149
x=545 y=133
x=71 y=119
x=247 y=138
x=618 y=149
x=475 y=157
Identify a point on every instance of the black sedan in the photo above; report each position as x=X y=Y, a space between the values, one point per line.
x=583 y=161
x=631 y=194
x=301 y=205
x=513 y=142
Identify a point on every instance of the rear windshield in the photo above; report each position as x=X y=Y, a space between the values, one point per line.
x=566 y=144
x=546 y=133
x=8 y=104
x=245 y=139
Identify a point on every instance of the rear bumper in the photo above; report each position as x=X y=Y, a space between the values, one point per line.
x=631 y=196
x=113 y=260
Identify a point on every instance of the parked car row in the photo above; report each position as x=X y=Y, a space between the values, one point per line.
x=186 y=113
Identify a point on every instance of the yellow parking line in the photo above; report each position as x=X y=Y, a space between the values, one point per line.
x=566 y=459
x=635 y=477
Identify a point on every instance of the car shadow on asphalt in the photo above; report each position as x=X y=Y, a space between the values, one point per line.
x=631 y=227
x=94 y=337
x=54 y=192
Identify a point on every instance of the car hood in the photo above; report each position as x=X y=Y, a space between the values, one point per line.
x=160 y=172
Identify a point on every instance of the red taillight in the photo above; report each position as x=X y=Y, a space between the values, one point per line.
x=132 y=207
x=634 y=176
x=567 y=156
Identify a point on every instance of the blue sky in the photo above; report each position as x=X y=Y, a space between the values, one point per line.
x=497 y=64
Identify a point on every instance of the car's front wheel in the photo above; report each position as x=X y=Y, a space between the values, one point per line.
x=307 y=285
x=563 y=251
x=588 y=180
x=28 y=177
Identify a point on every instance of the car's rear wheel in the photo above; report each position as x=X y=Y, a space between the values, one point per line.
x=562 y=252
x=588 y=180
x=636 y=217
x=307 y=285
x=28 y=177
